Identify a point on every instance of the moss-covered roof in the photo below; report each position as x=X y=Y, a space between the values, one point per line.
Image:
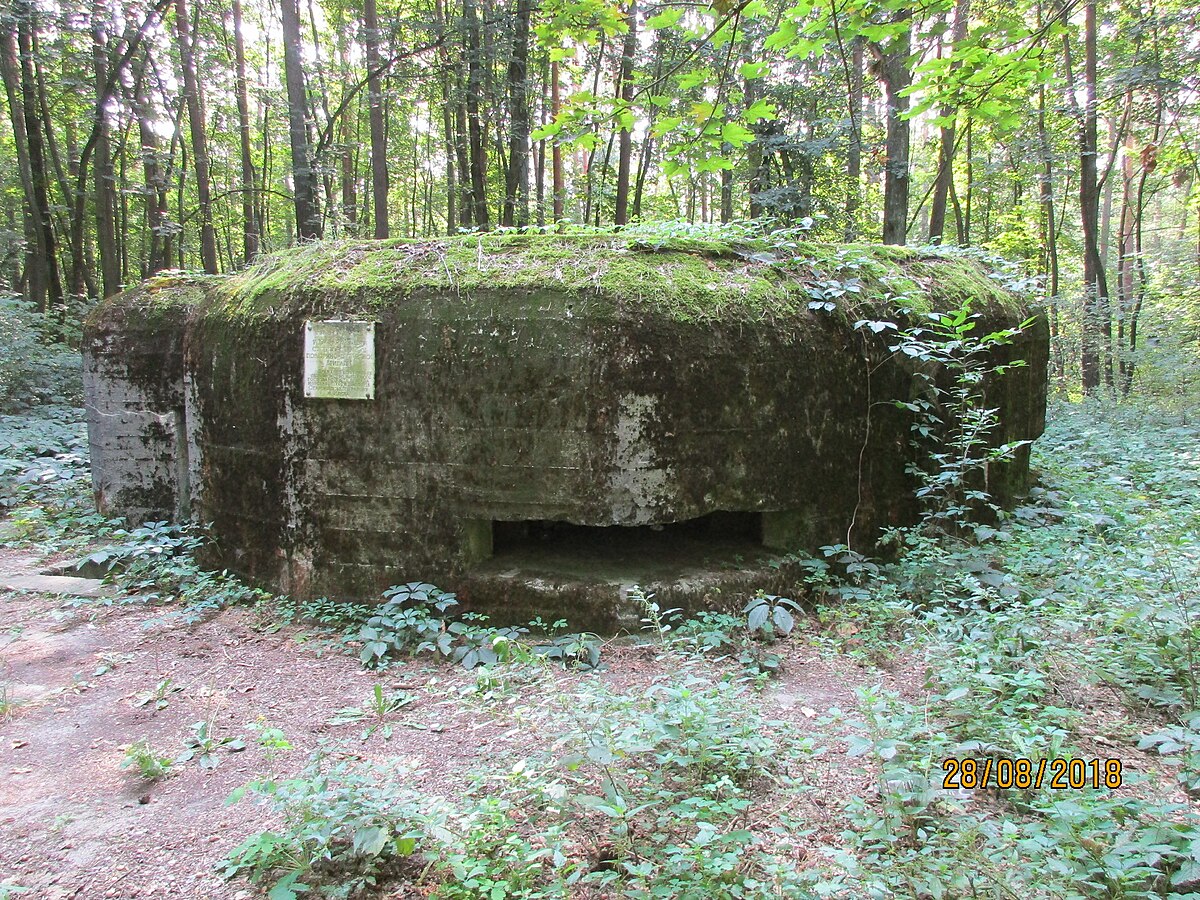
x=685 y=279
x=157 y=299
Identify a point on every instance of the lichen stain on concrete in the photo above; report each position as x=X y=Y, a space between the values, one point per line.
x=291 y=426
x=638 y=485
x=576 y=381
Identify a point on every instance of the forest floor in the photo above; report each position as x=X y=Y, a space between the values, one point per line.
x=78 y=825
x=818 y=775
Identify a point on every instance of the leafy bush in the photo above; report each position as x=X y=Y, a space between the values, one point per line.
x=1179 y=745
x=917 y=839
x=663 y=783
x=156 y=562
x=952 y=422
x=415 y=618
x=203 y=745
x=341 y=826
x=770 y=616
x=374 y=712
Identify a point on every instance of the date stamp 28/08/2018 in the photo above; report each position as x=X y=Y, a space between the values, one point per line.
x=1058 y=774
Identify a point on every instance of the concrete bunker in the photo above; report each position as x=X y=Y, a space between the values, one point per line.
x=535 y=422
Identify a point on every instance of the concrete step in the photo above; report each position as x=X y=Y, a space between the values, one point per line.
x=58 y=584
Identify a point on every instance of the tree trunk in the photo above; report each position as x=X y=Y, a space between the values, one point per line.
x=590 y=157
x=34 y=127
x=558 y=186
x=122 y=192
x=349 y=166
x=155 y=190
x=756 y=162
x=37 y=262
x=595 y=202
x=104 y=179
x=539 y=174
x=318 y=97
x=1126 y=256
x=444 y=79
x=478 y=148
x=1106 y=196
x=726 y=195
x=195 y=108
x=1050 y=239
x=892 y=64
x=466 y=197
x=304 y=178
x=945 y=171
x=516 y=182
x=625 y=95
x=1094 y=329
x=970 y=174
x=379 y=167
x=348 y=133
x=250 y=224
x=1149 y=160
x=854 y=150
x=639 y=188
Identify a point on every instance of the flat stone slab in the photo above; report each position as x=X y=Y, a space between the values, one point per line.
x=58 y=584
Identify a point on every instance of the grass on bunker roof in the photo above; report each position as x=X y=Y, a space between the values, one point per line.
x=670 y=771
x=688 y=277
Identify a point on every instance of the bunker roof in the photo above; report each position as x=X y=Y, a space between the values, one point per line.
x=686 y=279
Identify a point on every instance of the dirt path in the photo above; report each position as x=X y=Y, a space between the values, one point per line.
x=76 y=825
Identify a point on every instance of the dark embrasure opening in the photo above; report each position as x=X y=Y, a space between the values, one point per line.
x=711 y=539
x=718 y=528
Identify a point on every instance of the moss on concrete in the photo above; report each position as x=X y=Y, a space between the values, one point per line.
x=159 y=300
x=685 y=280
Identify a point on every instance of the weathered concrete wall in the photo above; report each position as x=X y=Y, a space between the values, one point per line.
x=133 y=392
x=595 y=387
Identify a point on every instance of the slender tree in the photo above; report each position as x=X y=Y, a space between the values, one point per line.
x=196 y=127
x=557 y=181
x=945 y=170
x=104 y=177
x=379 y=162
x=854 y=150
x=1096 y=324
x=516 y=184
x=40 y=273
x=251 y=229
x=625 y=96
x=36 y=126
x=475 y=136
x=304 y=176
x=893 y=67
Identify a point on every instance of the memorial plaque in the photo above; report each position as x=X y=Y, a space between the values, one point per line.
x=339 y=360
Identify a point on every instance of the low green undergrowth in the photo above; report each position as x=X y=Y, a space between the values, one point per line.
x=147 y=762
x=655 y=794
x=156 y=564
x=420 y=618
x=1067 y=629
x=36 y=368
x=45 y=484
x=46 y=504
